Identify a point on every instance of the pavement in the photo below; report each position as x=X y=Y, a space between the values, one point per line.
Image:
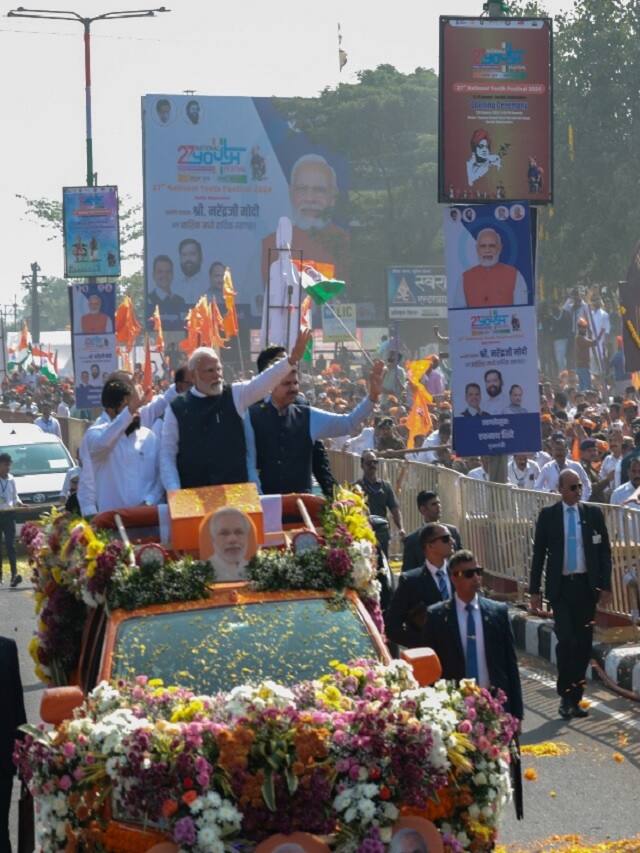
x=616 y=650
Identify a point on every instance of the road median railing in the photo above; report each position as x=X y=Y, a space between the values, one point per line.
x=497 y=523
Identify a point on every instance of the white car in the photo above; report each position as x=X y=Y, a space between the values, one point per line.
x=39 y=462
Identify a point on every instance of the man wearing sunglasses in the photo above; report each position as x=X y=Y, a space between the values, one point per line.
x=420 y=587
x=472 y=635
x=572 y=545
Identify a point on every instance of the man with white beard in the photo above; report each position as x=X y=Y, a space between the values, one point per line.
x=203 y=440
x=490 y=283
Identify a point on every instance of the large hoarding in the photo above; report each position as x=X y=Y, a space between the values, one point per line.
x=93 y=308
x=219 y=172
x=416 y=293
x=91 y=232
x=492 y=329
x=495 y=135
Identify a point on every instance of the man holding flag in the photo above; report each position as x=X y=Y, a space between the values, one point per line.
x=281 y=432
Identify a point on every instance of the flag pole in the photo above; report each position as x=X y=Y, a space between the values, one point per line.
x=348 y=331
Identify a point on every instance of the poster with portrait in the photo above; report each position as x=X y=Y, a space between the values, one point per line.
x=228 y=539
x=219 y=172
x=492 y=329
x=91 y=232
x=92 y=309
x=495 y=110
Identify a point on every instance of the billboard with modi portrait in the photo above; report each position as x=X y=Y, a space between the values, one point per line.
x=219 y=172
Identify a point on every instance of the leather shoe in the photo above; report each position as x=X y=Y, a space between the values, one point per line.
x=580 y=713
x=565 y=710
x=16 y=581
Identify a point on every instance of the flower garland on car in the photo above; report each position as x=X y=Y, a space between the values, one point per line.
x=75 y=567
x=343 y=756
x=345 y=556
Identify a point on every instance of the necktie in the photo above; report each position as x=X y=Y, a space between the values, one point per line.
x=572 y=541
x=471 y=670
x=442 y=585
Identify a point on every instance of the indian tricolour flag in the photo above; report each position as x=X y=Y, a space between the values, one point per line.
x=21 y=356
x=44 y=361
x=318 y=282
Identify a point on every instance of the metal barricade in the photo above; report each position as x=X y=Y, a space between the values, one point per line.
x=497 y=521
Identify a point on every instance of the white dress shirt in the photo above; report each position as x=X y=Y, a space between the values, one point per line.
x=63 y=410
x=495 y=405
x=623 y=493
x=191 y=289
x=432 y=440
x=550 y=476
x=359 y=443
x=479 y=474
x=8 y=492
x=245 y=394
x=125 y=466
x=580 y=562
x=608 y=465
x=443 y=568
x=87 y=480
x=51 y=426
x=541 y=458
x=522 y=479
x=155 y=408
x=461 y=612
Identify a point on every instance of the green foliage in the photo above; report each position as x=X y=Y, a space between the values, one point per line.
x=184 y=580
x=385 y=125
x=590 y=232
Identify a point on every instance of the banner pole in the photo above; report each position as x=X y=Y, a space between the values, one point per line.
x=348 y=331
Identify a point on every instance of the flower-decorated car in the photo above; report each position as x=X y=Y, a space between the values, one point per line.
x=212 y=716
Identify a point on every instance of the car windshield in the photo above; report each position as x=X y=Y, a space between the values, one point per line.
x=45 y=458
x=218 y=648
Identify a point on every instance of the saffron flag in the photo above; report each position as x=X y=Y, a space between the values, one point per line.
x=230 y=323
x=218 y=336
x=156 y=319
x=191 y=341
x=418 y=419
x=127 y=326
x=22 y=355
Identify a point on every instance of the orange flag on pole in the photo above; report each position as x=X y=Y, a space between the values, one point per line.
x=25 y=337
x=147 y=381
x=156 y=319
x=218 y=326
x=191 y=342
x=230 y=323
x=127 y=326
x=418 y=419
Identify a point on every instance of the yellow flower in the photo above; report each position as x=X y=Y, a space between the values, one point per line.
x=186 y=712
x=480 y=830
x=57 y=574
x=34 y=645
x=155 y=682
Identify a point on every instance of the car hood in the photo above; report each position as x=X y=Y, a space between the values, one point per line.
x=30 y=484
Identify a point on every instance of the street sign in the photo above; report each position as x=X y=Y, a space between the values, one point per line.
x=416 y=293
x=332 y=330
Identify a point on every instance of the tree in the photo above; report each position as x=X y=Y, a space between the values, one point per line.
x=53 y=292
x=590 y=232
x=385 y=125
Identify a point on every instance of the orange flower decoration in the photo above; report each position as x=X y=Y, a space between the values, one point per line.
x=189 y=796
x=530 y=774
x=169 y=807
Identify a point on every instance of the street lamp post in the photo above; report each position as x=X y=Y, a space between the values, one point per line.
x=55 y=15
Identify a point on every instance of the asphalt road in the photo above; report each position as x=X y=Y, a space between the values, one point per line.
x=585 y=791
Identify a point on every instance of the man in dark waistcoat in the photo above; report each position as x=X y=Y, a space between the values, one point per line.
x=281 y=432
x=203 y=440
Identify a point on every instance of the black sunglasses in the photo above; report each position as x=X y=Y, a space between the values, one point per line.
x=469 y=573
x=446 y=537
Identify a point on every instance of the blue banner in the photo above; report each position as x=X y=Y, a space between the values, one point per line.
x=416 y=293
x=492 y=329
x=91 y=232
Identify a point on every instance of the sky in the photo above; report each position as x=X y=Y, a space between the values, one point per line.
x=288 y=48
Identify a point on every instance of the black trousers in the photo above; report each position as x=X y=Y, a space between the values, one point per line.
x=6 y=783
x=8 y=533
x=573 y=613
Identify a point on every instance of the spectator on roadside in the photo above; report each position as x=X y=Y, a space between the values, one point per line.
x=46 y=422
x=12 y=716
x=430 y=508
x=379 y=494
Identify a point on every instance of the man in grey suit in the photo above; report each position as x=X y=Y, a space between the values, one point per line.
x=572 y=545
